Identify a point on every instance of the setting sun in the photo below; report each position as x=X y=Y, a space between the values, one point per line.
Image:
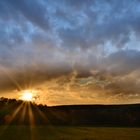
x=27 y=96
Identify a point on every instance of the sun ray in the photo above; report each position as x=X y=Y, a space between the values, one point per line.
x=46 y=119
x=22 y=119
x=11 y=118
x=30 y=113
x=11 y=78
x=16 y=111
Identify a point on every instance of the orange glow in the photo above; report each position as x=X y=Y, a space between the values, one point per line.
x=27 y=95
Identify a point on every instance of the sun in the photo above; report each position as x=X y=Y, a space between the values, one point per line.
x=27 y=95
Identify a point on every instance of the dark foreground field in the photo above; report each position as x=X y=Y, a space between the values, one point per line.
x=67 y=133
x=28 y=121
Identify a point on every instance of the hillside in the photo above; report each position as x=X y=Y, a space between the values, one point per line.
x=17 y=112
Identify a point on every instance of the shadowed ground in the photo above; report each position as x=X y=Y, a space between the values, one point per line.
x=67 y=133
x=16 y=112
x=27 y=121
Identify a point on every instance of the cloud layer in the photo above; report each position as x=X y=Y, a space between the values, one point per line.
x=88 y=51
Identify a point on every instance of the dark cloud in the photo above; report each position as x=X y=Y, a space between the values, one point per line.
x=92 y=24
x=122 y=62
x=97 y=23
x=33 y=11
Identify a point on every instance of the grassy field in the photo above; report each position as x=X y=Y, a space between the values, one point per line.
x=67 y=133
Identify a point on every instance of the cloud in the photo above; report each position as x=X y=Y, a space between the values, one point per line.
x=47 y=41
x=96 y=23
x=33 y=11
x=73 y=24
x=108 y=83
x=123 y=62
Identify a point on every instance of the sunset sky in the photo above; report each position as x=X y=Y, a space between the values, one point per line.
x=70 y=51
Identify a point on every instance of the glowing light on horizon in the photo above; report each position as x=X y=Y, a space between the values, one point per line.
x=27 y=95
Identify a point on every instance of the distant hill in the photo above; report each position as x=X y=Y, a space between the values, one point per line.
x=17 y=112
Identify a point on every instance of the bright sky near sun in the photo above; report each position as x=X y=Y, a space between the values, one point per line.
x=27 y=96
